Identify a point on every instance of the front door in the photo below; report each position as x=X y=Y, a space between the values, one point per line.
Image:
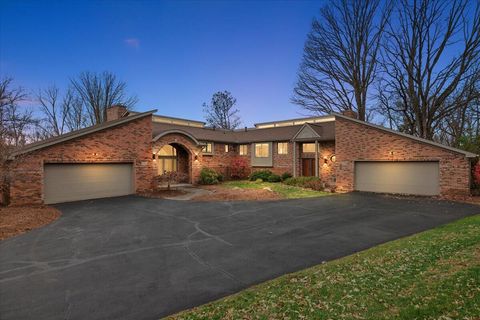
x=308 y=167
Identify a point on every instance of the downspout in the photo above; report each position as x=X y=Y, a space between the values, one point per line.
x=316 y=158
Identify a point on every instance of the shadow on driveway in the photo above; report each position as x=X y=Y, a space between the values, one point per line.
x=137 y=258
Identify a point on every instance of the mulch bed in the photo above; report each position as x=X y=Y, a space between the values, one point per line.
x=18 y=220
x=164 y=193
x=220 y=193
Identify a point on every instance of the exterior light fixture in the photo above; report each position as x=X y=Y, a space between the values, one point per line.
x=325 y=161
x=333 y=158
x=195 y=157
x=391 y=153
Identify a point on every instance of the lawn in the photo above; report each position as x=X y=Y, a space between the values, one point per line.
x=285 y=191
x=431 y=275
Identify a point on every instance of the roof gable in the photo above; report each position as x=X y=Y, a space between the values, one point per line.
x=306 y=132
x=79 y=133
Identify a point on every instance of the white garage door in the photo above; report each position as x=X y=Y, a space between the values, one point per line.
x=417 y=178
x=71 y=182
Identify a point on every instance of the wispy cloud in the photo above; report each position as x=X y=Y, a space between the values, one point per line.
x=132 y=42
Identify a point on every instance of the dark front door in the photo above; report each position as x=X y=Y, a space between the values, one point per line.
x=308 y=167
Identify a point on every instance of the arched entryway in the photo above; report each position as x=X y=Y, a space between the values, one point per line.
x=173 y=157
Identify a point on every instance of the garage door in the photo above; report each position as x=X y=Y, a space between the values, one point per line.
x=71 y=182
x=418 y=178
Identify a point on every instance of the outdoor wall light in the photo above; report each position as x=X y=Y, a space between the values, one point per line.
x=325 y=161
x=94 y=153
x=333 y=158
x=195 y=157
x=391 y=153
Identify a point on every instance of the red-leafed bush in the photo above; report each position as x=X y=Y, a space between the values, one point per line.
x=476 y=175
x=239 y=168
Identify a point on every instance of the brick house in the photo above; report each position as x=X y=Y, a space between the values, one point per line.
x=123 y=155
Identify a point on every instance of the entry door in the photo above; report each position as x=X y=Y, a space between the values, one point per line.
x=308 y=167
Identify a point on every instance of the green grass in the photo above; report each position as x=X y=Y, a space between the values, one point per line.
x=287 y=192
x=431 y=275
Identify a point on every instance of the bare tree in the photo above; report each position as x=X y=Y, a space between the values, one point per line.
x=100 y=91
x=61 y=113
x=340 y=57
x=15 y=124
x=221 y=111
x=431 y=63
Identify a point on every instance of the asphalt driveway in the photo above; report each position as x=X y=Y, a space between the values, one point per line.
x=136 y=258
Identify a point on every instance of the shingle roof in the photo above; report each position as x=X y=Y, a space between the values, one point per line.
x=326 y=130
x=79 y=133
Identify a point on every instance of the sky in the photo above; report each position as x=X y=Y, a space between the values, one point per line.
x=172 y=54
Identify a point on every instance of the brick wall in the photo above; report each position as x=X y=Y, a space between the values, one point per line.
x=355 y=141
x=194 y=151
x=129 y=142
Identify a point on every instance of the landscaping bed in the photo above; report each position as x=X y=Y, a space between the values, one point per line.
x=18 y=220
x=431 y=275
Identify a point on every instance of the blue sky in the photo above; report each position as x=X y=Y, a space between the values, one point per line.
x=173 y=54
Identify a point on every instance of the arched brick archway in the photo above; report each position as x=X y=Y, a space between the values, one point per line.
x=188 y=153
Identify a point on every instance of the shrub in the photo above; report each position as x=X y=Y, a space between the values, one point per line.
x=305 y=182
x=258 y=181
x=286 y=175
x=274 y=178
x=169 y=178
x=209 y=176
x=239 y=168
x=314 y=184
x=260 y=174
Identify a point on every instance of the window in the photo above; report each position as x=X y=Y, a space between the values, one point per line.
x=282 y=148
x=243 y=149
x=226 y=148
x=208 y=148
x=262 y=150
x=167 y=159
x=308 y=147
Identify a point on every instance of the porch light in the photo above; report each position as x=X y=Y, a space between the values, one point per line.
x=333 y=158
x=195 y=157
x=325 y=161
x=391 y=152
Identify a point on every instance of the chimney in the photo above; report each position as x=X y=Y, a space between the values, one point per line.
x=116 y=112
x=350 y=114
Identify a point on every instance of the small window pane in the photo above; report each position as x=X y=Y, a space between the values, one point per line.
x=308 y=147
x=208 y=148
x=243 y=150
x=167 y=150
x=282 y=148
x=262 y=150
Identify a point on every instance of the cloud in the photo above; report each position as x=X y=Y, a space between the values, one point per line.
x=132 y=42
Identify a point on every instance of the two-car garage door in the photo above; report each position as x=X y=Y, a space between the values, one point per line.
x=71 y=182
x=405 y=177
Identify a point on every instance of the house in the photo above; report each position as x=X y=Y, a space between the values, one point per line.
x=123 y=155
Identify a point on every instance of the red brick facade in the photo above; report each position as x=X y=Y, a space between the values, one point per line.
x=355 y=141
x=129 y=142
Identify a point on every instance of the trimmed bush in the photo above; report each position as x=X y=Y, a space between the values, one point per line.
x=305 y=182
x=209 y=176
x=286 y=175
x=261 y=174
x=274 y=178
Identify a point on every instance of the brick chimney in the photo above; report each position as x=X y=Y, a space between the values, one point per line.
x=116 y=112
x=350 y=114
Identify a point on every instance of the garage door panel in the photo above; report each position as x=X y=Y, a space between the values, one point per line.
x=419 y=178
x=71 y=182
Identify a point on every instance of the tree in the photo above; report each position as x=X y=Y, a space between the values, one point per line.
x=431 y=64
x=221 y=111
x=340 y=57
x=15 y=124
x=100 y=91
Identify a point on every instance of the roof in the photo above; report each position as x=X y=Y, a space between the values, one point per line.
x=326 y=131
x=295 y=121
x=436 y=144
x=79 y=133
